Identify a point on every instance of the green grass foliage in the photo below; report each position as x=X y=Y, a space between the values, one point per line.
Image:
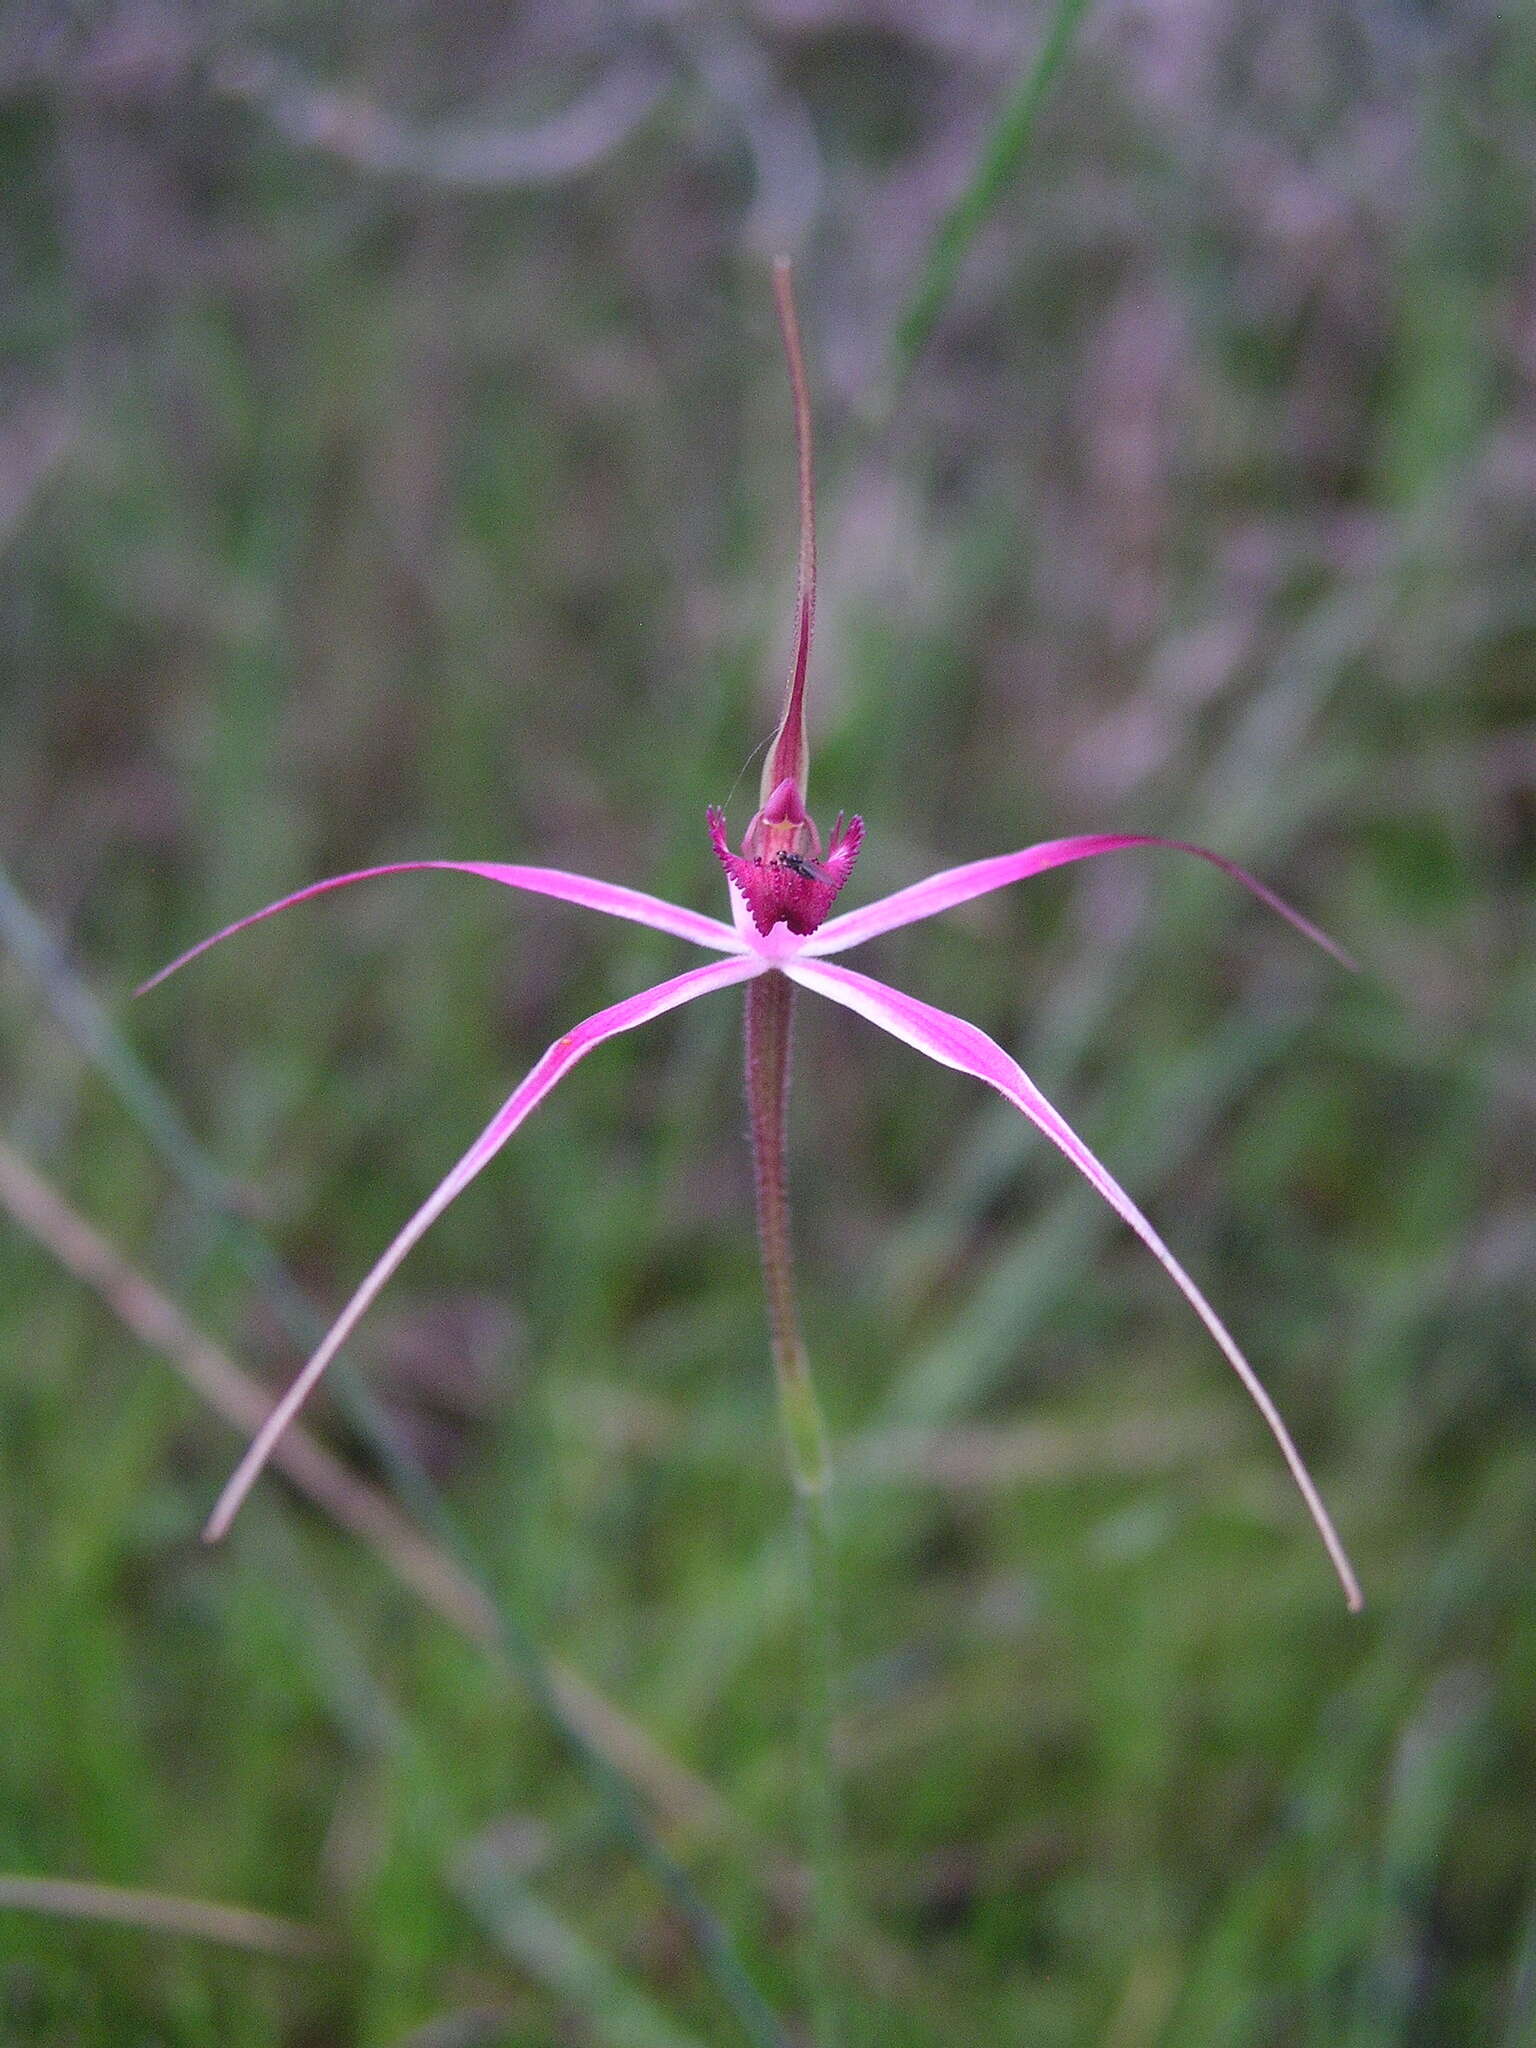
x=366 y=493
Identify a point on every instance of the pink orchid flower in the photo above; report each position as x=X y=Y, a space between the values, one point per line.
x=782 y=886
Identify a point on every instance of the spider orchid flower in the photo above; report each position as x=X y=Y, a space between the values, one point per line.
x=783 y=883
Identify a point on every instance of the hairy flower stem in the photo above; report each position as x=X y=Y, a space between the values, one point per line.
x=770 y=1007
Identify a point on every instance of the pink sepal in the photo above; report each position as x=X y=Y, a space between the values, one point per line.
x=954 y=1042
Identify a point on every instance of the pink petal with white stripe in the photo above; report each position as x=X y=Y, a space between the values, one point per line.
x=592 y=894
x=953 y=1042
x=979 y=877
x=526 y=1097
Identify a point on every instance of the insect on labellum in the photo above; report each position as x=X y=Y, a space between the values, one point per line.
x=810 y=871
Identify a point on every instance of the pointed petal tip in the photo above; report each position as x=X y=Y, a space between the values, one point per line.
x=1342 y=954
x=245 y=1475
x=182 y=960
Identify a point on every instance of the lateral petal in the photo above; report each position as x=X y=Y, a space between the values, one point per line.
x=526 y=1097
x=952 y=886
x=586 y=890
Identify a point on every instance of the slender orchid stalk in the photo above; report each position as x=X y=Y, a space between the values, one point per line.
x=782 y=885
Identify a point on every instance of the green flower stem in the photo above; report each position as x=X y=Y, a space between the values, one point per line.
x=770 y=1007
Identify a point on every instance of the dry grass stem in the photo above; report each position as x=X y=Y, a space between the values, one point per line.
x=685 y=1800
x=161 y=1913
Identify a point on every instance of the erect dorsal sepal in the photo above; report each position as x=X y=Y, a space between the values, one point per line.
x=789 y=758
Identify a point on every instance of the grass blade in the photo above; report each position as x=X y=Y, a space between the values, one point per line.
x=1005 y=149
x=159 y=1913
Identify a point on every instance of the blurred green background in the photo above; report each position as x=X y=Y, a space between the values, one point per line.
x=395 y=460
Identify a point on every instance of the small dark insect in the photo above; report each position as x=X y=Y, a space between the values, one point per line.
x=806 y=870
